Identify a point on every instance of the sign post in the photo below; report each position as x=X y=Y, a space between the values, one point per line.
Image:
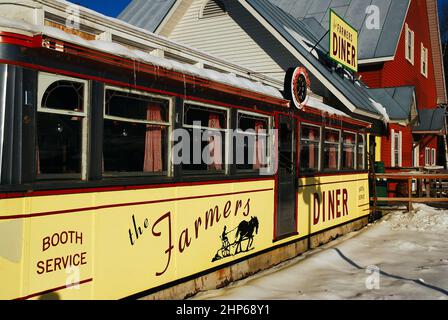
x=343 y=42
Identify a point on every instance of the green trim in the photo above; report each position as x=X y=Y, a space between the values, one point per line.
x=354 y=29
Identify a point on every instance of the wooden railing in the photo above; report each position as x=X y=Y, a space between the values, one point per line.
x=414 y=187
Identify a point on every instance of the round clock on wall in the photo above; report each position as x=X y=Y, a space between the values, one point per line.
x=297 y=84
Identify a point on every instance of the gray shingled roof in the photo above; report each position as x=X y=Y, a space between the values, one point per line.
x=146 y=14
x=298 y=34
x=397 y=101
x=431 y=120
x=372 y=43
x=294 y=30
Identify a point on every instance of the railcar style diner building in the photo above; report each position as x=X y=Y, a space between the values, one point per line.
x=94 y=202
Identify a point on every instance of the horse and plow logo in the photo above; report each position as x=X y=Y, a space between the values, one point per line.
x=242 y=242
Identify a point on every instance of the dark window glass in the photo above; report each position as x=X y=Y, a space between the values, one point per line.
x=252 y=142
x=331 y=149
x=348 y=151
x=64 y=95
x=205 y=156
x=60 y=130
x=135 y=134
x=200 y=116
x=135 y=107
x=59 y=144
x=128 y=149
x=361 y=152
x=309 y=148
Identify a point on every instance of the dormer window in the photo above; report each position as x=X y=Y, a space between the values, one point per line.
x=213 y=8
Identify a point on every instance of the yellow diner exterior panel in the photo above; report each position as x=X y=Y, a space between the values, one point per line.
x=116 y=244
x=110 y=245
x=328 y=201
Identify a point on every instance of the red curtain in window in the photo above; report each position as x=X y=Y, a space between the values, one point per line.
x=333 y=159
x=312 y=160
x=153 y=141
x=215 y=144
x=349 y=156
x=259 y=147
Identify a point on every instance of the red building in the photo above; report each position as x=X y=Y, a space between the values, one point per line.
x=417 y=62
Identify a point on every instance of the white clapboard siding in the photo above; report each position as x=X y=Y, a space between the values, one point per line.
x=220 y=35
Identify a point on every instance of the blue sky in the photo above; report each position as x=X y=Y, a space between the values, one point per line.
x=113 y=7
x=110 y=8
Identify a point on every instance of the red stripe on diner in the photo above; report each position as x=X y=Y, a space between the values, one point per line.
x=54 y=290
x=124 y=188
x=51 y=213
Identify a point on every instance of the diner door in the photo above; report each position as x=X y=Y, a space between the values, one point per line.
x=287 y=179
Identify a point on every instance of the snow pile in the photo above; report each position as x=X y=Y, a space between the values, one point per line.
x=423 y=219
x=381 y=110
x=315 y=103
x=392 y=260
x=144 y=57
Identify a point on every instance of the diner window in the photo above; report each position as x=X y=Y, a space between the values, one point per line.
x=331 y=149
x=136 y=128
x=309 y=148
x=206 y=147
x=252 y=142
x=61 y=127
x=361 y=156
x=348 y=150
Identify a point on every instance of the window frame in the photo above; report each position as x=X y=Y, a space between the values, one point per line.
x=410 y=44
x=363 y=136
x=269 y=135
x=168 y=124
x=355 y=159
x=44 y=81
x=424 y=60
x=339 y=149
x=394 y=161
x=319 y=160
x=416 y=155
x=433 y=157
x=226 y=140
x=427 y=156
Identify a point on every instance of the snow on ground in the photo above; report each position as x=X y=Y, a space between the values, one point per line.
x=410 y=250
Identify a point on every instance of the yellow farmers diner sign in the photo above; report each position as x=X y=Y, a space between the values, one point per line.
x=343 y=42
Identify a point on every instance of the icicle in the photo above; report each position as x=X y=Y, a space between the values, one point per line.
x=185 y=87
x=135 y=72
